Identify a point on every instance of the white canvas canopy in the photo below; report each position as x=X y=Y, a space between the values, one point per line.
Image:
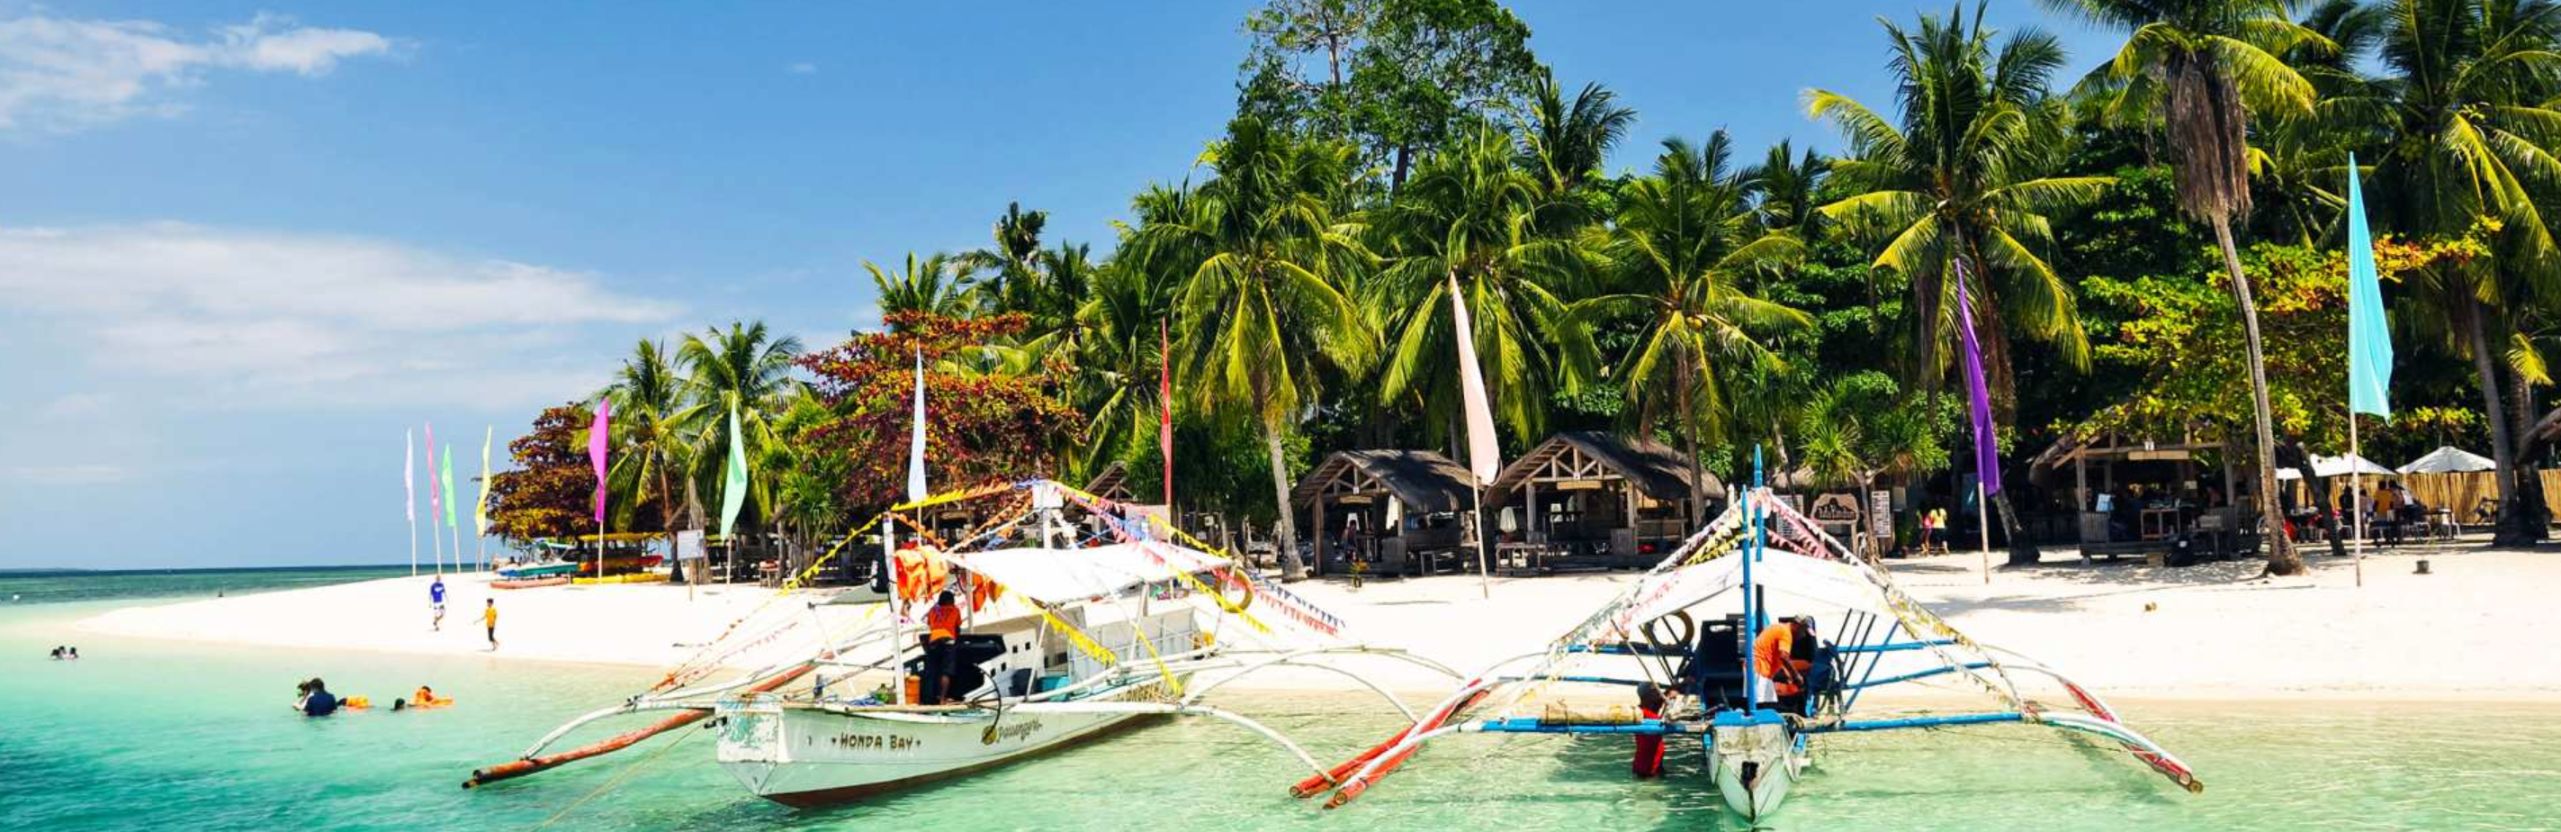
x=2326 y=467
x=1795 y=579
x=1053 y=576
x=2449 y=460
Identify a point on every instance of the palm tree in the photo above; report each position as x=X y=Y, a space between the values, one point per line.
x=1962 y=188
x=1123 y=321
x=1015 y=260
x=1858 y=428
x=646 y=395
x=2202 y=66
x=2472 y=144
x=1262 y=308
x=936 y=284
x=1471 y=215
x=1683 y=238
x=1566 y=142
x=750 y=370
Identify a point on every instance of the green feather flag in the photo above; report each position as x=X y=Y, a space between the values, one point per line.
x=453 y=510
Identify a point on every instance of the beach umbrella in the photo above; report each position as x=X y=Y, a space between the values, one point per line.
x=2326 y=467
x=2449 y=460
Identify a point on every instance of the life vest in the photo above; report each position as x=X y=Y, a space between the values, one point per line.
x=942 y=622
x=922 y=573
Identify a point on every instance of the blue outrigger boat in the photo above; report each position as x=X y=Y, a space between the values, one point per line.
x=1683 y=629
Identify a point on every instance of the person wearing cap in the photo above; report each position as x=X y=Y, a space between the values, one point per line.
x=1776 y=659
x=942 y=630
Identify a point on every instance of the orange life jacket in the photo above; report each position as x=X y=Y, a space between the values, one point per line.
x=942 y=622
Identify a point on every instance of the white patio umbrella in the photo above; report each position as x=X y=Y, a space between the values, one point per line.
x=2449 y=460
x=2326 y=467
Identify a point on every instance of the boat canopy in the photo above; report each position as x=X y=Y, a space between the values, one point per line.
x=1829 y=583
x=1053 y=576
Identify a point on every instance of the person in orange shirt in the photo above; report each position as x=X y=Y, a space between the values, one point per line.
x=942 y=628
x=1774 y=658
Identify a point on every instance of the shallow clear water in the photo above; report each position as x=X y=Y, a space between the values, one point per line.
x=153 y=735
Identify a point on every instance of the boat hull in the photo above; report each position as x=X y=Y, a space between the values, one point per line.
x=1755 y=766
x=809 y=757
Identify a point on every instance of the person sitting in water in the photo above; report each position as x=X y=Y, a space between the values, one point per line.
x=1776 y=660
x=72 y=653
x=57 y=652
x=1649 y=747
x=316 y=699
x=426 y=698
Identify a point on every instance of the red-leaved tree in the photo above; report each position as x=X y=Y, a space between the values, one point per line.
x=983 y=424
x=551 y=491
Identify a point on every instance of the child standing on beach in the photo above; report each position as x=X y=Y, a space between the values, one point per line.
x=489 y=618
x=436 y=598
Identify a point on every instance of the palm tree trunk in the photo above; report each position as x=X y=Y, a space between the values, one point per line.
x=1689 y=441
x=667 y=515
x=2282 y=559
x=2510 y=531
x=1284 y=531
x=2534 y=516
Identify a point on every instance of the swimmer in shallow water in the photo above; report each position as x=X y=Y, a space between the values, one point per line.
x=316 y=699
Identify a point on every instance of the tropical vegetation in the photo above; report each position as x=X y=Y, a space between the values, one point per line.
x=2149 y=247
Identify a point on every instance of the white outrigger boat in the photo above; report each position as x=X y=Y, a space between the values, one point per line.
x=1085 y=620
x=1681 y=628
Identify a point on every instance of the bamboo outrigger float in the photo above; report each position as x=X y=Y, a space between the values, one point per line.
x=1683 y=628
x=1086 y=617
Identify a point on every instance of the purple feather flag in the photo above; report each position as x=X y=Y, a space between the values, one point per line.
x=1986 y=454
x=596 y=435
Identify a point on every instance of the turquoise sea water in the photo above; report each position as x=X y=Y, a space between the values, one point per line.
x=156 y=735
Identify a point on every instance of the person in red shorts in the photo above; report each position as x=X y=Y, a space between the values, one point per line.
x=1649 y=747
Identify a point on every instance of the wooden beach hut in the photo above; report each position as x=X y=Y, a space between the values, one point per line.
x=2145 y=494
x=1586 y=498
x=1111 y=483
x=1399 y=510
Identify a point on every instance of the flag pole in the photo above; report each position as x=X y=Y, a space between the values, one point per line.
x=2356 y=495
x=1983 y=520
x=1484 y=565
x=409 y=486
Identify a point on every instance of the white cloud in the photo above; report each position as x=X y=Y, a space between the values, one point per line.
x=259 y=318
x=803 y=68
x=67 y=474
x=65 y=74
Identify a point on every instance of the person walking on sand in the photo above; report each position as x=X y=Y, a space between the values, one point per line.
x=436 y=598
x=489 y=619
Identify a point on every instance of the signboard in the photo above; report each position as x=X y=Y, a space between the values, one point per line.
x=1836 y=508
x=689 y=545
x=1880 y=514
x=1577 y=485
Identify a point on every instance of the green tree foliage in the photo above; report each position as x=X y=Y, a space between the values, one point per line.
x=1471 y=218
x=1263 y=309
x=1399 y=78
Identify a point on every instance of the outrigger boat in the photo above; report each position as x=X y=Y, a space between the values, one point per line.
x=1682 y=628
x=1088 y=616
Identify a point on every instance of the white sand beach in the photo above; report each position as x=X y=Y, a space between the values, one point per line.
x=2472 y=630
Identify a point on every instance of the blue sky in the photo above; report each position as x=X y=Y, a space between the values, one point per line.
x=244 y=246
